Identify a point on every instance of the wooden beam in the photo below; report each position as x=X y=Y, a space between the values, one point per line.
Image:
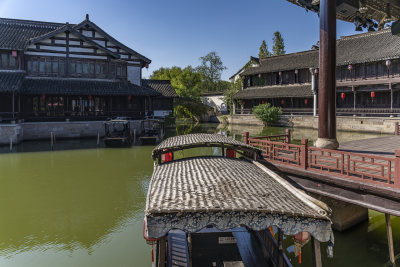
x=163 y=249
x=390 y=239
x=316 y=252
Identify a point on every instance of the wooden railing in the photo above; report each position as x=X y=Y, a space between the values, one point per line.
x=367 y=168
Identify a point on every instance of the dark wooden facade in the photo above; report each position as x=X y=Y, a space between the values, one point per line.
x=55 y=71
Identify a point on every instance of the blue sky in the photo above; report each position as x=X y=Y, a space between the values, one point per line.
x=178 y=32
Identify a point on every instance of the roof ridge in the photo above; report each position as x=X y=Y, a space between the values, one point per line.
x=290 y=54
x=364 y=34
x=31 y=22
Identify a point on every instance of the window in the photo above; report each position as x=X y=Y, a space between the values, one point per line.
x=48 y=66
x=55 y=67
x=7 y=61
x=79 y=67
x=4 y=60
x=91 y=68
x=12 y=62
x=85 y=68
x=41 y=66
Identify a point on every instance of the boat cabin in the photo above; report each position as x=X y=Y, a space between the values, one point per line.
x=117 y=133
x=225 y=208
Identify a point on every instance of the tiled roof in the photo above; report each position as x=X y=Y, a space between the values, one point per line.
x=300 y=60
x=71 y=86
x=368 y=47
x=162 y=86
x=10 y=81
x=16 y=33
x=360 y=48
x=303 y=90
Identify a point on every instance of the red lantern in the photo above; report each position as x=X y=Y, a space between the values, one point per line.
x=342 y=96
x=43 y=96
x=263 y=101
x=388 y=63
x=372 y=94
x=89 y=97
x=243 y=103
x=282 y=101
x=129 y=97
x=14 y=53
x=350 y=67
x=306 y=101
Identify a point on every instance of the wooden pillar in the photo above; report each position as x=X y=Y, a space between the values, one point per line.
x=390 y=238
x=280 y=248
x=396 y=128
x=391 y=97
x=163 y=250
x=354 y=100
x=246 y=137
x=327 y=77
x=288 y=137
x=314 y=89
x=13 y=104
x=316 y=252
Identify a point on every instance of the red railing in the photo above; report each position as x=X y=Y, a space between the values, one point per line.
x=367 y=168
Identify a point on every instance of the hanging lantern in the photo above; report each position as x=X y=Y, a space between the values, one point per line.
x=243 y=103
x=300 y=240
x=89 y=97
x=14 y=53
x=43 y=96
x=282 y=101
x=306 y=101
x=280 y=73
x=350 y=67
x=316 y=71
x=342 y=96
x=263 y=101
x=147 y=65
x=259 y=75
x=296 y=71
x=129 y=97
x=372 y=94
x=388 y=63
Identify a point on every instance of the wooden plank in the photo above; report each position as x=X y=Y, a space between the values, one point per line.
x=316 y=252
x=178 y=250
x=249 y=249
x=390 y=239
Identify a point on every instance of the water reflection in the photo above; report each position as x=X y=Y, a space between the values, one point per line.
x=70 y=200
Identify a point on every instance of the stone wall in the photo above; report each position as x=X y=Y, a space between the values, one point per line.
x=358 y=124
x=42 y=130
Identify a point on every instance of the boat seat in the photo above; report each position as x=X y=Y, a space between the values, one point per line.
x=249 y=249
x=178 y=252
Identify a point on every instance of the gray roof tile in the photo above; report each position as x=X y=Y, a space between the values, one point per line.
x=303 y=90
x=10 y=81
x=71 y=86
x=162 y=86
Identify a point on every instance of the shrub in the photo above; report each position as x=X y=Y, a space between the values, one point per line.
x=267 y=114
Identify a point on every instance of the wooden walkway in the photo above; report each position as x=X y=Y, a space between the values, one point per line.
x=383 y=146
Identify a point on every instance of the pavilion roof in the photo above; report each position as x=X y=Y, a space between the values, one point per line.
x=378 y=10
x=302 y=90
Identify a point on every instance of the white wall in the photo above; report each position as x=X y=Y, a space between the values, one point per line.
x=134 y=74
x=216 y=102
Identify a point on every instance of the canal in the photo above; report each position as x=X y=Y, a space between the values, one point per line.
x=82 y=205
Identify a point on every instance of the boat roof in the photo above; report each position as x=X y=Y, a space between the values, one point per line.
x=197 y=140
x=193 y=193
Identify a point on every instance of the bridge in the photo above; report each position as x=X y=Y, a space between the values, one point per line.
x=363 y=172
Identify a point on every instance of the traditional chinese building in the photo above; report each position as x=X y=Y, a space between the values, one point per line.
x=367 y=78
x=58 y=71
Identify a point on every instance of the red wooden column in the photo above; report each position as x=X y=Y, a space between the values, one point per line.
x=327 y=76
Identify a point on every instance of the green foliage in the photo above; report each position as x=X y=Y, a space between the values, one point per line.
x=186 y=82
x=267 y=113
x=263 y=50
x=189 y=109
x=279 y=45
x=211 y=68
x=228 y=94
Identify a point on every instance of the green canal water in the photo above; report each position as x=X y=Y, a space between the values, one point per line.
x=83 y=206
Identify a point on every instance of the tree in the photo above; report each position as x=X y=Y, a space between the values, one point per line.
x=267 y=113
x=279 y=45
x=186 y=82
x=228 y=94
x=263 y=50
x=211 y=69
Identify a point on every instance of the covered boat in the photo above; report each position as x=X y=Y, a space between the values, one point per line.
x=225 y=209
x=117 y=133
x=153 y=131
